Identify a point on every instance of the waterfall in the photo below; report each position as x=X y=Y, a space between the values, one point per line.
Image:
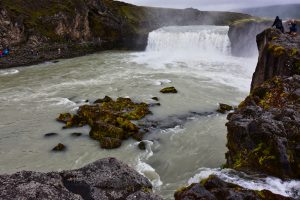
x=190 y=39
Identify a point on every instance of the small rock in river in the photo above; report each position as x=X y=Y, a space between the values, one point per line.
x=59 y=147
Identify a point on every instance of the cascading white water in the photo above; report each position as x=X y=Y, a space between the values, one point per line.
x=190 y=39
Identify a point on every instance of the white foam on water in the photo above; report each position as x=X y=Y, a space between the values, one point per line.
x=144 y=168
x=162 y=81
x=290 y=188
x=8 y=72
x=62 y=101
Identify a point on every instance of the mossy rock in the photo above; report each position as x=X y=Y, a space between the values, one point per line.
x=168 y=90
x=223 y=108
x=108 y=119
x=105 y=99
x=110 y=143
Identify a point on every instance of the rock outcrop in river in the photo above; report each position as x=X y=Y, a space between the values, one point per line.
x=109 y=120
x=213 y=188
x=104 y=179
x=36 y=30
x=264 y=132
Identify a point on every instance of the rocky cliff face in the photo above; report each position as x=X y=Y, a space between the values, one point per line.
x=104 y=179
x=264 y=132
x=279 y=55
x=36 y=29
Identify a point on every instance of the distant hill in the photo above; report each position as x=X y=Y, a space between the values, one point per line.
x=290 y=11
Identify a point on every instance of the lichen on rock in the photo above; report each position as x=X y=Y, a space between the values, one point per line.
x=264 y=133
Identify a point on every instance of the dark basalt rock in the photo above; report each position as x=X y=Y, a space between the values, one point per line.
x=223 y=108
x=168 y=90
x=76 y=134
x=155 y=98
x=109 y=120
x=213 y=188
x=59 y=147
x=264 y=132
x=279 y=55
x=104 y=179
x=50 y=134
x=142 y=145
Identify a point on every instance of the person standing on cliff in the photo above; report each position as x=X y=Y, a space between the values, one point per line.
x=293 y=27
x=278 y=24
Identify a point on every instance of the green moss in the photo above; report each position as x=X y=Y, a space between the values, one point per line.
x=260 y=194
x=278 y=50
x=168 y=90
x=238 y=161
x=294 y=51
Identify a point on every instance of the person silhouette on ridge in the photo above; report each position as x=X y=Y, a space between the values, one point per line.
x=278 y=24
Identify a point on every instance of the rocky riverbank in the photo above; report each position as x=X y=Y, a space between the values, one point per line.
x=264 y=131
x=41 y=31
x=104 y=179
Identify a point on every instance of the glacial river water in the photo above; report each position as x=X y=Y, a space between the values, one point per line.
x=196 y=60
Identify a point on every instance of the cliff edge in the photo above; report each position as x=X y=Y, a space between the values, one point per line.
x=264 y=132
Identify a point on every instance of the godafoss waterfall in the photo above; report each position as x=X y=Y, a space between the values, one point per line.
x=187 y=137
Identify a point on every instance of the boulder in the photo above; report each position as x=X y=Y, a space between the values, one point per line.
x=59 y=147
x=223 y=108
x=168 y=90
x=107 y=178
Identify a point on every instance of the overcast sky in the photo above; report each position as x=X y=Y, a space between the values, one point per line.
x=210 y=4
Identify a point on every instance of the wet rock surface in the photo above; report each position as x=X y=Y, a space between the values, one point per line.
x=104 y=179
x=264 y=133
x=213 y=188
x=110 y=120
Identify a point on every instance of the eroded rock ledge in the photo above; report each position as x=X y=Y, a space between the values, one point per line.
x=104 y=179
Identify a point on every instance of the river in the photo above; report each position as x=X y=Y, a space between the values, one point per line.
x=195 y=59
